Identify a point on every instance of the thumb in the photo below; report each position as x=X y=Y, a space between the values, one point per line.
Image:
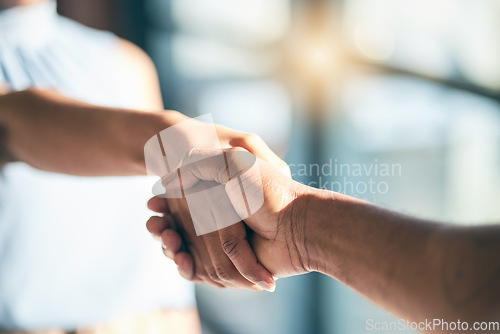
x=235 y=168
x=255 y=145
x=201 y=164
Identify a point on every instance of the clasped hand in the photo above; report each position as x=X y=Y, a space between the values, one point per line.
x=245 y=255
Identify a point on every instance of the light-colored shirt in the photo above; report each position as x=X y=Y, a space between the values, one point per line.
x=74 y=251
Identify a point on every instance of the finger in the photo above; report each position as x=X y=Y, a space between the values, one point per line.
x=156 y=225
x=185 y=265
x=200 y=266
x=158 y=204
x=172 y=243
x=238 y=250
x=196 y=247
x=224 y=268
x=203 y=264
x=197 y=164
x=206 y=164
x=255 y=145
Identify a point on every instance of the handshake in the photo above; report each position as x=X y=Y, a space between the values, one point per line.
x=231 y=216
x=226 y=213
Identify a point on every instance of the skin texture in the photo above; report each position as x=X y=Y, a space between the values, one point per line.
x=415 y=269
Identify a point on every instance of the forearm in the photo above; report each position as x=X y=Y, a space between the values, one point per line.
x=58 y=134
x=415 y=269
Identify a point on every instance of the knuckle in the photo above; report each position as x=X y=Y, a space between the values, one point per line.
x=189 y=156
x=203 y=276
x=196 y=279
x=230 y=247
x=252 y=138
x=226 y=273
x=212 y=274
x=222 y=173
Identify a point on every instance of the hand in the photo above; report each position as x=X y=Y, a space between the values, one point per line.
x=379 y=253
x=205 y=258
x=278 y=229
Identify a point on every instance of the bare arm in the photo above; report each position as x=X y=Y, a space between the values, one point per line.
x=55 y=133
x=414 y=268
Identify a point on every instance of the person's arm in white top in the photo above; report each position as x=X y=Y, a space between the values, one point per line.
x=54 y=133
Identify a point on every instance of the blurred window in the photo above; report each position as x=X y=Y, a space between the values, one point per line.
x=448 y=39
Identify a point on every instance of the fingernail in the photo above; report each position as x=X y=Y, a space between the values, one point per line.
x=266 y=286
x=157 y=238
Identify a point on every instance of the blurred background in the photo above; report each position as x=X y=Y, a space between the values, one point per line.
x=413 y=85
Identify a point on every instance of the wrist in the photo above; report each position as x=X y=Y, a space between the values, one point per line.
x=324 y=214
x=317 y=228
x=305 y=217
